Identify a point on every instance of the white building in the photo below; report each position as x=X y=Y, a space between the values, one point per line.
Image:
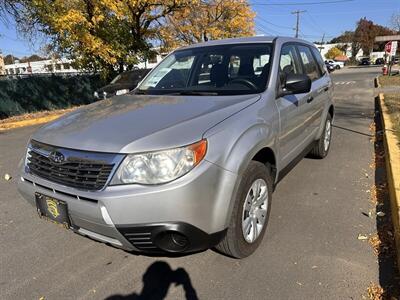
x=61 y=65
x=2 y=69
x=326 y=47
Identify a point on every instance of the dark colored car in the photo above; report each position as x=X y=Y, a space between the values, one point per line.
x=365 y=61
x=121 y=84
x=329 y=67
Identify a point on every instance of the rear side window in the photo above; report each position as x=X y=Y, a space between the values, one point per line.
x=310 y=66
x=319 y=59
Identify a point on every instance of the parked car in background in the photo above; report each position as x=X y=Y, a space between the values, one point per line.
x=329 y=67
x=190 y=158
x=365 y=61
x=336 y=64
x=379 y=61
x=122 y=84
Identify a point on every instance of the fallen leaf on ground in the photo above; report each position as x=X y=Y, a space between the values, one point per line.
x=375 y=292
x=7 y=177
x=362 y=237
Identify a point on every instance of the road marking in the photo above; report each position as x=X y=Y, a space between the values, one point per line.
x=344 y=82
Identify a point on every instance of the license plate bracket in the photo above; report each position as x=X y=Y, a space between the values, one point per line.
x=52 y=209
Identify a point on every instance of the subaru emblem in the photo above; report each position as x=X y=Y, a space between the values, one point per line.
x=56 y=157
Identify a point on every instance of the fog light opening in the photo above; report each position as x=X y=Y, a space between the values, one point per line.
x=172 y=241
x=179 y=239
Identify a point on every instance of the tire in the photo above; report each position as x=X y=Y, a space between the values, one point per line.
x=337 y=67
x=320 y=149
x=234 y=243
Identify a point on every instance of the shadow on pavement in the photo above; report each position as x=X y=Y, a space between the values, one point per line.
x=156 y=282
x=384 y=247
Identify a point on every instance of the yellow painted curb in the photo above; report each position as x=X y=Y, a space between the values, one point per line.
x=392 y=158
x=30 y=122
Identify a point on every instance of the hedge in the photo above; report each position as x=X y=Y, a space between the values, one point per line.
x=38 y=93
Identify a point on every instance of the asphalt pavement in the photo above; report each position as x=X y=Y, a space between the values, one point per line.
x=310 y=250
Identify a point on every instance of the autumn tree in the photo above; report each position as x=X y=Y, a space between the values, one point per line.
x=207 y=20
x=333 y=53
x=365 y=33
x=99 y=34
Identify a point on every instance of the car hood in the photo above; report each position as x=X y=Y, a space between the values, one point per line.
x=137 y=123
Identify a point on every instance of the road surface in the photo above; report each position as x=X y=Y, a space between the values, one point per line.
x=310 y=250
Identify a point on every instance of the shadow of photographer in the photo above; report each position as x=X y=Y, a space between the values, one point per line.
x=156 y=282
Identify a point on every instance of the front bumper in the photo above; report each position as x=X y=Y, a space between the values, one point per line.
x=193 y=209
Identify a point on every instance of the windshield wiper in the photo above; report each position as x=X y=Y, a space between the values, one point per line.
x=140 y=92
x=194 y=93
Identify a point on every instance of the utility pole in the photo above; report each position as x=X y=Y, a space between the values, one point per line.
x=297 y=13
x=322 y=43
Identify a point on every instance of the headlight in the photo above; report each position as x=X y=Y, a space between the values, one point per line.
x=27 y=157
x=160 y=166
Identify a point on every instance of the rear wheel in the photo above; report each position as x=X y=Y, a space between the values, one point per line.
x=250 y=212
x=322 y=146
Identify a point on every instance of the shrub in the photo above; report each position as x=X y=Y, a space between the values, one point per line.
x=37 y=93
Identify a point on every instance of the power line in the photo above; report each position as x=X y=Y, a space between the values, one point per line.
x=334 y=13
x=269 y=30
x=297 y=13
x=299 y=3
x=273 y=24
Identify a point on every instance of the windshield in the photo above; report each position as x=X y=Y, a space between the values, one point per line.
x=130 y=77
x=220 y=70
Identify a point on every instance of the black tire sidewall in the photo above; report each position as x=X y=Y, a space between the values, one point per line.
x=255 y=170
x=321 y=141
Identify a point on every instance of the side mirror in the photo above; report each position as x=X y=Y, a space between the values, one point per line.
x=297 y=84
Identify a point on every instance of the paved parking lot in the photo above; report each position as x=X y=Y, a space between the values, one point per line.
x=310 y=250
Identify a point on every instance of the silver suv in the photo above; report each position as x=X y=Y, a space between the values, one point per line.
x=190 y=158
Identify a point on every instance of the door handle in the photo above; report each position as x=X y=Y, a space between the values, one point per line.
x=310 y=99
x=324 y=89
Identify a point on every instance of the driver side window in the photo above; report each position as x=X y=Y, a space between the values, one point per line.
x=288 y=63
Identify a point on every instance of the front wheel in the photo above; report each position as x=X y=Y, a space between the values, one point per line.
x=250 y=212
x=322 y=146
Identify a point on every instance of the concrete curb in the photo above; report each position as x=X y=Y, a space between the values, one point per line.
x=377 y=83
x=392 y=158
x=30 y=122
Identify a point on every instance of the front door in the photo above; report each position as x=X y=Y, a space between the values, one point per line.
x=292 y=133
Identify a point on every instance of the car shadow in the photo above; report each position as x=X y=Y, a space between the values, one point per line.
x=389 y=277
x=156 y=282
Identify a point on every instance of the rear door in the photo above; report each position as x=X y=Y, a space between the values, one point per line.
x=311 y=107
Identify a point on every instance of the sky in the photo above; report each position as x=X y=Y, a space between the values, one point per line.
x=273 y=17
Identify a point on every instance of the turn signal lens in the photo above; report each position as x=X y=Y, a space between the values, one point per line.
x=199 y=150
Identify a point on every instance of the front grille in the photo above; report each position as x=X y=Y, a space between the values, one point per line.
x=78 y=173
